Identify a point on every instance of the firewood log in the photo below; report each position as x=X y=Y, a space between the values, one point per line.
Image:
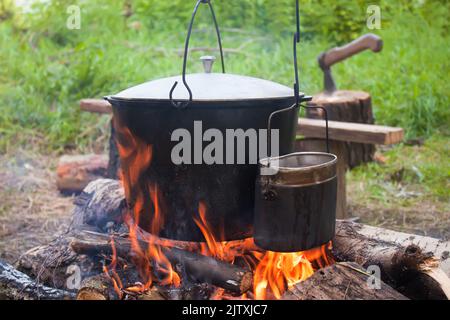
x=97 y=287
x=57 y=265
x=74 y=172
x=197 y=267
x=15 y=285
x=404 y=264
x=101 y=202
x=342 y=281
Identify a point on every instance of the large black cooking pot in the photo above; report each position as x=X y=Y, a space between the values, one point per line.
x=152 y=111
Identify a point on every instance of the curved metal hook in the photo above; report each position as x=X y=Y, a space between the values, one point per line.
x=180 y=104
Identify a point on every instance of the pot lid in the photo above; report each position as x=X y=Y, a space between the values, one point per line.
x=208 y=87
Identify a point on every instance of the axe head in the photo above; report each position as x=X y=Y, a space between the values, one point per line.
x=335 y=55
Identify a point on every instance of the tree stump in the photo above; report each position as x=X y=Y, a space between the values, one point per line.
x=349 y=106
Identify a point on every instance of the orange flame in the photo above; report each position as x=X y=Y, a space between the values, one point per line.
x=110 y=271
x=211 y=247
x=152 y=263
x=274 y=272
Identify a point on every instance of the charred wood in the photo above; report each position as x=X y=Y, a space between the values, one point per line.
x=198 y=268
x=99 y=205
x=15 y=285
x=57 y=265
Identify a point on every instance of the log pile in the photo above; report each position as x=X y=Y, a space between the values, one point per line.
x=71 y=265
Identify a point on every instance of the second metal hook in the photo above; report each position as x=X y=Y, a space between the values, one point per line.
x=184 y=104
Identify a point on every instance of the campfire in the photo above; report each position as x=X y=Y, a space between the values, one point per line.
x=106 y=255
x=254 y=273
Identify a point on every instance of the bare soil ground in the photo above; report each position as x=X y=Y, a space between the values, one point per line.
x=32 y=211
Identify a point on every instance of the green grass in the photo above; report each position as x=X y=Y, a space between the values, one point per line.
x=409 y=192
x=422 y=172
x=45 y=68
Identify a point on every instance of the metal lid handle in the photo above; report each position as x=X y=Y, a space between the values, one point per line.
x=181 y=104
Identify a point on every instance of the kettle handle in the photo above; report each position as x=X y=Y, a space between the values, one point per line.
x=298 y=97
x=184 y=104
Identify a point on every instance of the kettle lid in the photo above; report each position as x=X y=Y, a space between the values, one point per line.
x=208 y=87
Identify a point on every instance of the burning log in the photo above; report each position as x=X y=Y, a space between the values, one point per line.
x=102 y=203
x=402 y=259
x=97 y=287
x=16 y=285
x=75 y=172
x=198 y=268
x=341 y=281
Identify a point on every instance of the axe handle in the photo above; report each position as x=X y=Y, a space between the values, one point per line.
x=368 y=41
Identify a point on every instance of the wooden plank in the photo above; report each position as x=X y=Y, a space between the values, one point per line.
x=350 y=132
x=96 y=106
x=310 y=128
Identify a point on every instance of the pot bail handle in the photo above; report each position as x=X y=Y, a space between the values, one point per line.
x=184 y=104
x=299 y=99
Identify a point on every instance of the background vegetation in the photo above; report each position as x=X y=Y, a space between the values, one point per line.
x=45 y=68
